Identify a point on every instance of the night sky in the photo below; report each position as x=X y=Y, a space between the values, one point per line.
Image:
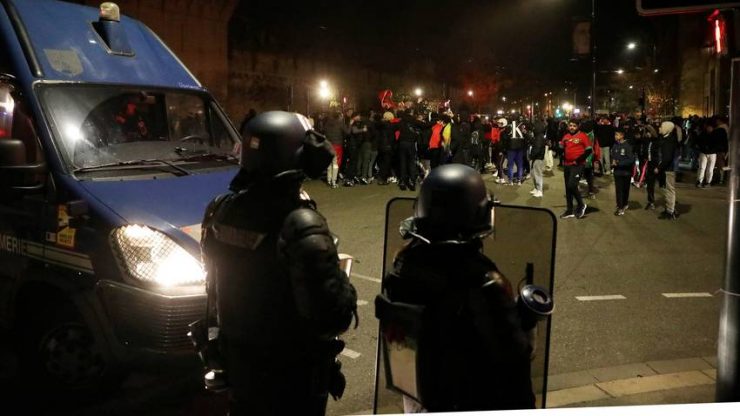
x=525 y=41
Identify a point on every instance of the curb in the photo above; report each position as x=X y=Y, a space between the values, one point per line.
x=625 y=380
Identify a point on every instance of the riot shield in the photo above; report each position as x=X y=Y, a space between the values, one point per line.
x=523 y=247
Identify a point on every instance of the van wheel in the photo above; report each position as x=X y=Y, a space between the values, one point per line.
x=59 y=354
x=69 y=354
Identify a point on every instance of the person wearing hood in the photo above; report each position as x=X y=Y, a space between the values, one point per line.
x=664 y=167
x=537 y=156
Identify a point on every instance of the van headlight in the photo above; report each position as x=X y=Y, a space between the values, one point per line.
x=153 y=257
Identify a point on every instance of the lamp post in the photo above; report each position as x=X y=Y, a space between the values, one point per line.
x=593 y=57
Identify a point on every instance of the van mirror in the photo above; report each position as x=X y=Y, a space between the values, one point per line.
x=15 y=173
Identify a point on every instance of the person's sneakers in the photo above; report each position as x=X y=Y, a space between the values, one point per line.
x=650 y=206
x=533 y=191
x=707 y=185
x=665 y=215
x=619 y=212
x=402 y=185
x=349 y=183
x=538 y=194
x=698 y=184
x=392 y=179
x=412 y=185
x=567 y=214
x=581 y=212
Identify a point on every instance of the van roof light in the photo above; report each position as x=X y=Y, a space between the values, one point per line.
x=110 y=11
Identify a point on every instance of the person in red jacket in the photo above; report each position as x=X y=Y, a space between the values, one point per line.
x=576 y=148
x=436 y=142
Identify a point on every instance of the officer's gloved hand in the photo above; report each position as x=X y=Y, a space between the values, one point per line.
x=337 y=382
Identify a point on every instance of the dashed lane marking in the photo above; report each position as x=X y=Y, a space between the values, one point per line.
x=351 y=354
x=370 y=278
x=603 y=297
x=361 y=302
x=688 y=295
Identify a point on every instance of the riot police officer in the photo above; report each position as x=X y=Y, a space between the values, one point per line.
x=448 y=305
x=274 y=277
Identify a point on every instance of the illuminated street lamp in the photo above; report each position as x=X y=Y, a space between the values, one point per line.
x=632 y=86
x=499 y=112
x=567 y=107
x=631 y=45
x=503 y=98
x=470 y=93
x=620 y=71
x=418 y=92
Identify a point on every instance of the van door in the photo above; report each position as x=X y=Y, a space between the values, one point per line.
x=22 y=199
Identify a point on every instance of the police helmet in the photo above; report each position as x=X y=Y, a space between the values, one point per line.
x=453 y=205
x=277 y=141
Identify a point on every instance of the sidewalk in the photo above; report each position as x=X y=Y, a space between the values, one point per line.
x=689 y=380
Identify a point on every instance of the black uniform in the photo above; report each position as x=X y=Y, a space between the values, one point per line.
x=478 y=355
x=447 y=302
x=273 y=270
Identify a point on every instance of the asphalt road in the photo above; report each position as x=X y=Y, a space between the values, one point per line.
x=632 y=262
x=627 y=289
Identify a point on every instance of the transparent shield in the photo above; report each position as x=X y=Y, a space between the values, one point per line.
x=523 y=247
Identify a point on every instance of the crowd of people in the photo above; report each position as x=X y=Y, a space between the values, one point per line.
x=402 y=145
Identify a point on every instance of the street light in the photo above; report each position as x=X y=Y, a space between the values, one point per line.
x=620 y=71
x=632 y=86
x=470 y=93
x=503 y=98
x=655 y=70
x=418 y=92
x=631 y=45
x=323 y=84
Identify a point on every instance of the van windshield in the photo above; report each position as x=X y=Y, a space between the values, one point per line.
x=109 y=126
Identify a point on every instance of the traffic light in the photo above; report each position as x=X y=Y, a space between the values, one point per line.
x=718 y=27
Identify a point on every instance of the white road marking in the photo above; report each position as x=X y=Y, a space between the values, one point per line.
x=372 y=279
x=351 y=354
x=604 y=297
x=361 y=302
x=688 y=295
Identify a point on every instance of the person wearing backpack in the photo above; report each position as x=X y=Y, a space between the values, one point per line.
x=516 y=146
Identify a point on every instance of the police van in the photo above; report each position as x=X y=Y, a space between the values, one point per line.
x=110 y=151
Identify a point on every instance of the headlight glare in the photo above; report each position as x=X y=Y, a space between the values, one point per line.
x=151 y=256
